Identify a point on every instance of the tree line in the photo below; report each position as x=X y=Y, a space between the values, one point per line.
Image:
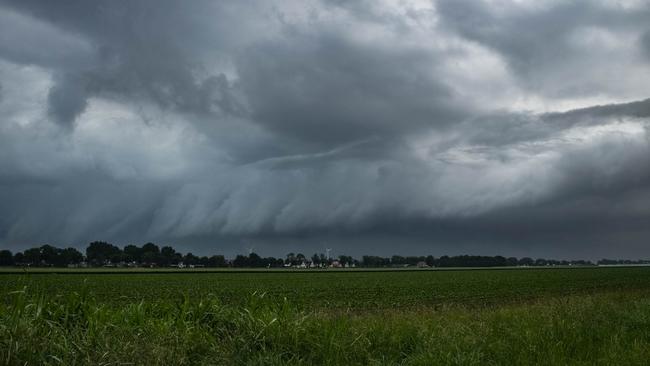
x=101 y=253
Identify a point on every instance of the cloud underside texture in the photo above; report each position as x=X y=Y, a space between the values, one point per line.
x=445 y=126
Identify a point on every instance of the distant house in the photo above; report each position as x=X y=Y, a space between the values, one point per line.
x=335 y=264
x=422 y=264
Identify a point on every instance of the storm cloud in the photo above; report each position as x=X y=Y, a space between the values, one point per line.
x=443 y=127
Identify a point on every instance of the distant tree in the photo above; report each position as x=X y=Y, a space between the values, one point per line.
x=525 y=261
x=99 y=253
x=240 y=261
x=581 y=263
x=70 y=256
x=500 y=261
x=275 y=262
x=19 y=258
x=300 y=258
x=153 y=250
x=132 y=253
x=151 y=253
x=169 y=256
x=291 y=258
x=254 y=260
x=149 y=258
x=444 y=261
x=216 y=261
x=413 y=260
x=32 y=256
x=430 y=260
x=49 y=255
x=151 y=247
x=607 y=262
x=190 y=259
x=346 y=259
x=375 y=261
x=368 y=261
x=6 y=258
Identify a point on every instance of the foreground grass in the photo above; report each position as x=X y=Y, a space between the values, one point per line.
x=75 y=329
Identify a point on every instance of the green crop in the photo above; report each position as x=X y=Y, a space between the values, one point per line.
x=359 y=290
x=492 y=317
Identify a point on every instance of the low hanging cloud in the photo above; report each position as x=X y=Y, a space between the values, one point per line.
x=438 y=127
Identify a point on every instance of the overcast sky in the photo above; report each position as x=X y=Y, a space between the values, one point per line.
x=382 y=127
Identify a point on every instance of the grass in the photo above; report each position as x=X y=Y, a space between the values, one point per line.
x=340 y=290
x=605 y=319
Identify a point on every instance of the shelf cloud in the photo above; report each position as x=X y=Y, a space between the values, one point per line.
x=442 y=127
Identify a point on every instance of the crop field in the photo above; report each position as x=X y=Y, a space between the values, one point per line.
x=472 y=317
x=338 y=289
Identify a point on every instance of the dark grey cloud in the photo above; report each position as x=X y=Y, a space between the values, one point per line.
x=539 y=41
x=66 y=100
x=446 y=127
x=645 y=43
x=324 y=88
x=639 y=109
x=136 y=50
x=559 y=49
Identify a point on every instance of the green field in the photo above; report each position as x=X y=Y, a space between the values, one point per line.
x=338 y=289
x=474 y=317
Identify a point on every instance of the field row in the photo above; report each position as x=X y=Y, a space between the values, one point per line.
x=355 y=290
